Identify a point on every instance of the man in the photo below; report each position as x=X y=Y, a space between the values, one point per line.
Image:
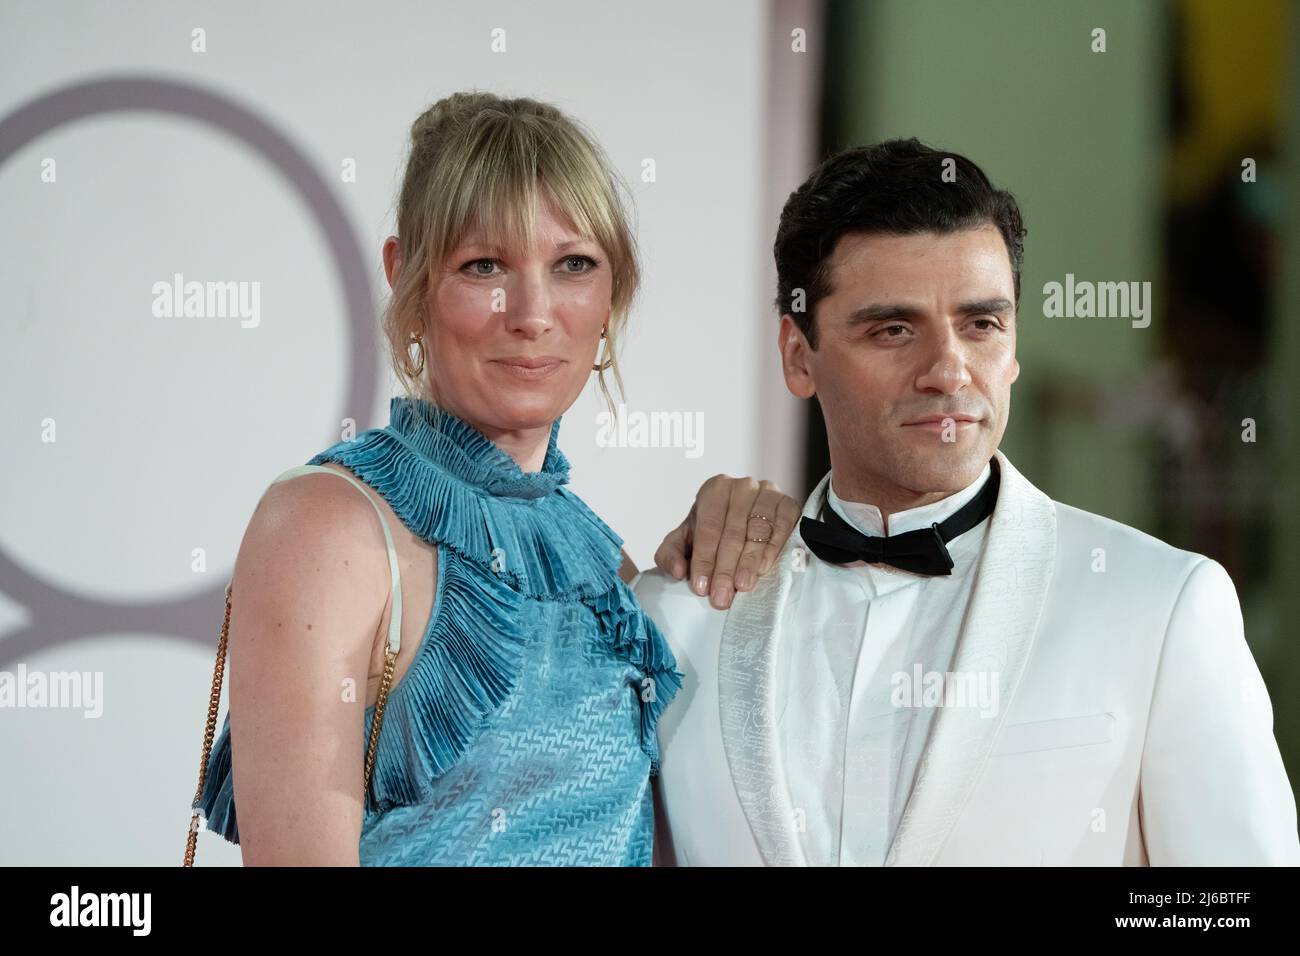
x=946 y=666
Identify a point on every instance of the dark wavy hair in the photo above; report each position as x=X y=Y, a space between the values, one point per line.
x=894 y=187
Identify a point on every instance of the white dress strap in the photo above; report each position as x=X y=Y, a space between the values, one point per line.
x=395 y=620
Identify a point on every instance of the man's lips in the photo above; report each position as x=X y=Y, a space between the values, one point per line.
x=940 y=424
x=940 y=419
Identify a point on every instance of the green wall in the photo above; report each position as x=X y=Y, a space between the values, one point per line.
x=1015 y=87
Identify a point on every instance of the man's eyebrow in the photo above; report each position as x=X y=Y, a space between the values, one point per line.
x=881 y=311
x=886 y=311
x=994 y=306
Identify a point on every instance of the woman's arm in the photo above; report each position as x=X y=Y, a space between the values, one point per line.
x=309 y=589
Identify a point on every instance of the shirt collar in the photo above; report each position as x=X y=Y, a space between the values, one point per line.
x=868 y=519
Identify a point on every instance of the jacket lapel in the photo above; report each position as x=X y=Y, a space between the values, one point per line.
x=1010 y=590
x=747 y=655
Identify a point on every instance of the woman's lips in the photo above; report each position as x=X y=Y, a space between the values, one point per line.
x=528 y=370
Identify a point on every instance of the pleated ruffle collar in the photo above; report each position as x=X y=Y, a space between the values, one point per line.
x=454 y=487
x=449 y=442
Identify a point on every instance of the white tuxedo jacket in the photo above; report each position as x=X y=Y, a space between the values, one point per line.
x=1133 y=725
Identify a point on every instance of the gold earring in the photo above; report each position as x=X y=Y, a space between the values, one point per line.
x=417 y=341
x=606 y=365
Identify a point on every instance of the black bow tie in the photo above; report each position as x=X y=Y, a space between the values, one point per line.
x=924 y=551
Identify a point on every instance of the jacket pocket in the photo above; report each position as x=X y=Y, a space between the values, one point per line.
x=1056 y=734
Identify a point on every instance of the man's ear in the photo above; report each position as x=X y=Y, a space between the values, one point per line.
x=794 y=359
x=1015 y=362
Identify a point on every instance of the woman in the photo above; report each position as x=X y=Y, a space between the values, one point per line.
x=520 y=724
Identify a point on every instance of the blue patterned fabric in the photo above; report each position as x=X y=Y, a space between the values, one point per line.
x=524 y=730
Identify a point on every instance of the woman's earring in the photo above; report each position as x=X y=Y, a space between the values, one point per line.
x=419 y=343
x=608 y=363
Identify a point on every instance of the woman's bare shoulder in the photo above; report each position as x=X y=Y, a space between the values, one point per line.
x=315 y=503
x=315 y=539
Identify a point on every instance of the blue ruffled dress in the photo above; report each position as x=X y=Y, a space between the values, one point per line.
x=523 y=732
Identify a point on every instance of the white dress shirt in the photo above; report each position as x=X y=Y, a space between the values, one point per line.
x=850 y=754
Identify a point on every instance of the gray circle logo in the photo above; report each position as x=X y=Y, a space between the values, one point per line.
x=60 y=615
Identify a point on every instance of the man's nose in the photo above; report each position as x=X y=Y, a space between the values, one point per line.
x=945 y=369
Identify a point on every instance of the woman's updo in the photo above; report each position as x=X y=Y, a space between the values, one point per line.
x=481 y=163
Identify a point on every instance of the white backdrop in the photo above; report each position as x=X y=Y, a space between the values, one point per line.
x=167 y=430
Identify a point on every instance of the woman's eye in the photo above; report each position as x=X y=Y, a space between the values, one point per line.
x=583 y=263
x=474 y=265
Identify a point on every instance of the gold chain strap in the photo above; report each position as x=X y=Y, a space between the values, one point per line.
x=214 y=702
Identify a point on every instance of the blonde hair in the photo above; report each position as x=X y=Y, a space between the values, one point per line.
x=481 y=163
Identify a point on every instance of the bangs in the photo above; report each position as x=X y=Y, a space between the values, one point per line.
x=511 y=171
